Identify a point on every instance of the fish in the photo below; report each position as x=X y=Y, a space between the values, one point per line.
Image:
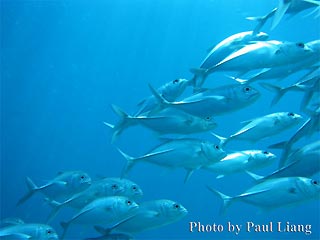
x=167 y=121
x=303 y=162
x=105 y=210
x=224 y=49
x=241 y=161
x=309 y=87
x=187 y=153
x=263 y=127
x=274 y=193
x=63 y=186
x=104 y=187
x=281 y=72
x=213 y=102
x=26 y=231
x=169 y=91
x=291 y=7
x=151 y=215
x=309 y=127
x=263 y=54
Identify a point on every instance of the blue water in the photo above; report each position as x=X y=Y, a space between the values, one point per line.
x=64 y=62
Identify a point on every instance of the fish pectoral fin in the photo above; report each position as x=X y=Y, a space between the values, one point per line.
x=219 y=176
x=17 y=236
x=312 y=2
x=63 y=183
x=252 y=193
x=189 y=173
x=151 y=214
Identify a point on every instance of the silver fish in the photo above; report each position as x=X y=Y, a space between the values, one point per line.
x=187 y=153
x=224 y=49
x=241 y=161
x=169 y=91
x=304 y=162
x=151 y=215
x=106 y=210
x=100 y=188
x=213 y=102
x=168 y=121
x=63 y=186
x=275 y=193
x=264 y=54
x=26 y=231
x=263 y=127
x=291 y=7
x=309 y=127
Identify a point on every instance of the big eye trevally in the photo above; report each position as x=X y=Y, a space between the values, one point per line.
x=263 y=127
x=241 y=161
x=275 y=193
x=104 y=187
x=63 y=186
x=213 y=102
x=168 y=121
x=25 y=231
x=151 y=215
x=169 y=91
x=224 y=49
x=187 y=153
x=105 y=210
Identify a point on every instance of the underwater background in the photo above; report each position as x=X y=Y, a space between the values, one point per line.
x=63 y=63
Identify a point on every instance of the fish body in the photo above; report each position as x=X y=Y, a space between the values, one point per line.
x=169 y=91
x=167 y=121
x=185 y=153
x=265 y=126
x=303 y=162
x=241 y=161
x=63 y=186
x=105 y=187
x=27 y=231
x=213 y=102
x=229 y=45
x=263 y=54
x=105 y=210
x=152 y=215
x=275 y=193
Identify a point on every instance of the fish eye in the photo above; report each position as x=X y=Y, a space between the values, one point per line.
x=300 y=44
x=175 y=81
x=247 y=89
x=49 y=231
x=216 y=147
x=176 y=206
x=290 y=114
x=315 y=182
x=114 y=186
x=208 y=118
x=134 y=188
x=82 y=177
x=265 y=152
x=129 y=202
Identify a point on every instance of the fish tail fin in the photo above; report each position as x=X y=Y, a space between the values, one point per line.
x=129 y=165
x=286 y=146
x=56 y=207
x=261 y=21
x=32 y=188
x=226 y=200
x=223 y=140
x=201 y=73
x=65 y=226
x=277 y=90
x=125 y=122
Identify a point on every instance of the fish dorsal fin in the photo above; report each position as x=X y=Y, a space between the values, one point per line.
x=280 y=12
